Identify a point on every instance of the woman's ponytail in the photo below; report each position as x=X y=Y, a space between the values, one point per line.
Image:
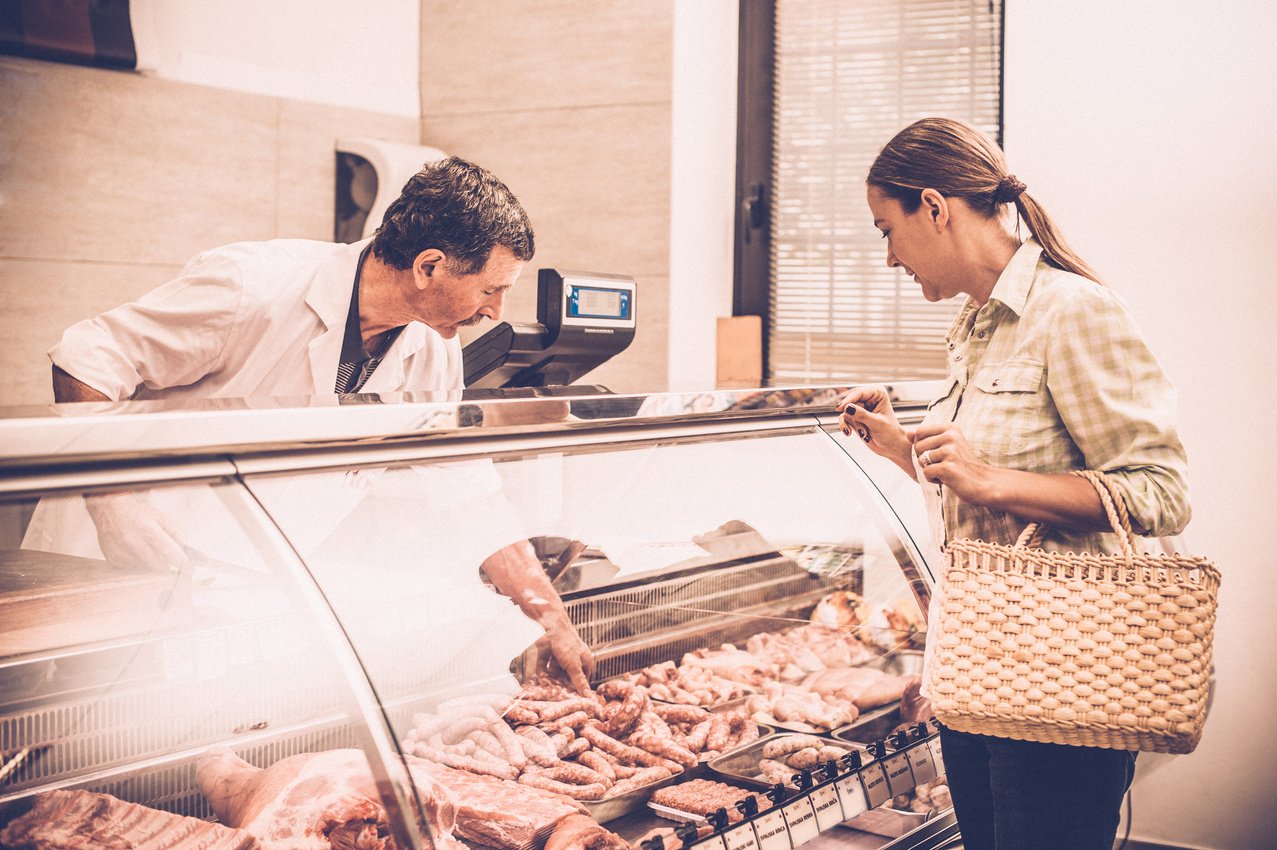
x=959 y=161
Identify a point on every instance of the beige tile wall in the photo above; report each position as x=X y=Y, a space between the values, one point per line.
x=569 y=102
x=110 y=181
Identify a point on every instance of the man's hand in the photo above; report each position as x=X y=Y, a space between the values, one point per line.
x=867 y=411
x=517 y=573
x=562 y=653
x=131 y=533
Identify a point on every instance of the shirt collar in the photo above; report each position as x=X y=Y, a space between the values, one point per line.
x=1012 y=288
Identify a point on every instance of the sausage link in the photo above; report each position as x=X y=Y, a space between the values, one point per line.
x=665 y=748
x=646 y=776
x=473 y=765
x=598 y=763
x=576 y=792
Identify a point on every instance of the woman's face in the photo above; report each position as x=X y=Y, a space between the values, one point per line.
x=913 y=242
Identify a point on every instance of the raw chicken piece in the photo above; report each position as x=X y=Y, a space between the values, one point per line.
x=580 y=832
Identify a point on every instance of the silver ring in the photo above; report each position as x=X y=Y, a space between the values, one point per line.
x=925 y=459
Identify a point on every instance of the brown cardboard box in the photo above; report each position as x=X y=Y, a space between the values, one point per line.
x=740 y=352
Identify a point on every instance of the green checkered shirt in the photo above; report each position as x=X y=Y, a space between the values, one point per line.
x=1053 y=375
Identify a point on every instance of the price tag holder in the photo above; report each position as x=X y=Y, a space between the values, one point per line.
x=772 y=831
x=851 y=794
x=924 y=768
x=824 y=799
x=875 y=780
x=899 y=774
x=800 y=815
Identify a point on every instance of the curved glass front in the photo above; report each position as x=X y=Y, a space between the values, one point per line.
x=758 y=573
x=163 y=662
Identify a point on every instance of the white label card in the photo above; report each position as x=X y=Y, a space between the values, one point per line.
x=801 y=817
x=934 y=745
x=772 y=831
x=828 y=810
x=875 y=779
x=852 y=795
x=714 y=842
x=899 y=776
x=924 y=769
x=741 y=837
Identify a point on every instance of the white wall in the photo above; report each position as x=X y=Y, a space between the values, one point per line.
x=1146 y=129
x=703 y=186
x=360 y=55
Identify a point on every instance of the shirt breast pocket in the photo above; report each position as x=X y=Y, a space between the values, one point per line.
x=1006 y=407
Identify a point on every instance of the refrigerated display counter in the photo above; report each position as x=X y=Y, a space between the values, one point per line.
x=342 y=622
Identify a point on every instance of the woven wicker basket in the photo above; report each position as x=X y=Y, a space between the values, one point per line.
x=1091 y=650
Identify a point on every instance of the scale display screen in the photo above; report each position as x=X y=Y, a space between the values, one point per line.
x=592 y=302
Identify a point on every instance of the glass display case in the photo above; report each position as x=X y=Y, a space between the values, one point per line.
x=665 y=620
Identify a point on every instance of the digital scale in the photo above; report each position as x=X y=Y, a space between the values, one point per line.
x=583 y=320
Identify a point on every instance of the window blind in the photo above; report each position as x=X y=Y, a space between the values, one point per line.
x=848 y=76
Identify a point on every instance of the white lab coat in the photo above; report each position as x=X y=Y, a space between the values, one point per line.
x=264 y=319
x=252 y=319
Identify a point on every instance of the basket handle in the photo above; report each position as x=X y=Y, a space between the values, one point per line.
x=1114 y=509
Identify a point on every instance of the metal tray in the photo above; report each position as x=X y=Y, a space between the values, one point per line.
x=619 y=806
x=888 y=822
x=741 y=766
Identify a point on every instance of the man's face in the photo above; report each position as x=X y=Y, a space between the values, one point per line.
x=448 y=302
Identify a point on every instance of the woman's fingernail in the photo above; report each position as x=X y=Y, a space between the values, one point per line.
x=851 y=409
x=846 y=432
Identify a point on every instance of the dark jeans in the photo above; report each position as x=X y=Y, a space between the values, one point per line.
x=1021 y=795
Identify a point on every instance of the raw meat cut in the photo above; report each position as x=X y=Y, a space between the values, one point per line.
x=313 y=800
x=82 y=820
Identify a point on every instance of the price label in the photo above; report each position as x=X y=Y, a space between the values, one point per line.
x=899 y=774
x=801 y=817
x=741 y=837
x=714 y=842
x=924 y=769
x=772 y=831
x=851 y=793
x=828 y=810
x=875 y=780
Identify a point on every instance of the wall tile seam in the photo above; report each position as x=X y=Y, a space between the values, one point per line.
x=89 y=261
x=567 y=107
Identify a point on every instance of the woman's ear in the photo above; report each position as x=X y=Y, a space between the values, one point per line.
x=936 y=207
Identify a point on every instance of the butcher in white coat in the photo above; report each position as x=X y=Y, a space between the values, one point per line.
x=303 y=318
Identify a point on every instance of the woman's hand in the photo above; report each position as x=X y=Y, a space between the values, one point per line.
x=868 y=412
x=947 y=458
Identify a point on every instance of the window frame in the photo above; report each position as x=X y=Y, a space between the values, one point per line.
x=755 y=116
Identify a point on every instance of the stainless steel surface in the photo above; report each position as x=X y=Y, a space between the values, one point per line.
x=623 y=804
x=661 y=619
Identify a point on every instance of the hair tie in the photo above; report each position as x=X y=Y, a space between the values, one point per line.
x=1009 y=188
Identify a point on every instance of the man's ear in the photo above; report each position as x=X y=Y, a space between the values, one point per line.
x=936 y=207
x=423 y=267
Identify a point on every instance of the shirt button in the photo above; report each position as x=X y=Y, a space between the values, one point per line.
x=981 y=334
x=957 y=357
x=951 y=345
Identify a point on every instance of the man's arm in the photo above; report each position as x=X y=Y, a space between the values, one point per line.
x=517 y=573
x=68 y=388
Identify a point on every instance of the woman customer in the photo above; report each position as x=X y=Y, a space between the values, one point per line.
x=1047 y=373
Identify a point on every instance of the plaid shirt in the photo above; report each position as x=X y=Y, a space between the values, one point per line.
x=1052 y=375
